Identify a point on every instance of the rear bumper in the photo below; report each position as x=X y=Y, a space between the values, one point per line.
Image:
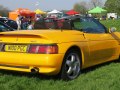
x=45 y=63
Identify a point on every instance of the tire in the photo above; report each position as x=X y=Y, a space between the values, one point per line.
x=118 y=60
x=71 y=66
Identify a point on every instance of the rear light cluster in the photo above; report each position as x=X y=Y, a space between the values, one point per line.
x=43 y=49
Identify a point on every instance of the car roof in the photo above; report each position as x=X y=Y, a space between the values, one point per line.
x=3 y=18
x=7 y=26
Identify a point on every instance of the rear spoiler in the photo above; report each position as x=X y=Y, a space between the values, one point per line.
x=22 y=35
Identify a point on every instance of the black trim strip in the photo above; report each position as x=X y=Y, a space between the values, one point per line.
x=24 y=67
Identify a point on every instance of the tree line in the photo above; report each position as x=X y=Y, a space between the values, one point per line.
x=82 y=6
x=112 y=6
x=4 y=11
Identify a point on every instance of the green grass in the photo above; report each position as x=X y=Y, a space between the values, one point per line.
x=112 y=23
x=104 y=77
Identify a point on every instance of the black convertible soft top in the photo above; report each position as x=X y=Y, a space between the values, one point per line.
x=53 y=23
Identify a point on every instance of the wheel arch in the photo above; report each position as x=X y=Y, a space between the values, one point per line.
x=77 y=48
x=73 y=47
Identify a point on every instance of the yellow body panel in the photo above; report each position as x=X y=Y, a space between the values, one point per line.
x=95 y=49
x=46 y=63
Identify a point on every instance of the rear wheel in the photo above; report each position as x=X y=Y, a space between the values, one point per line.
x=118 y=59
x=71 y=65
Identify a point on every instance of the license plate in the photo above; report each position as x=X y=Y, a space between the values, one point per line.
x=16 y=48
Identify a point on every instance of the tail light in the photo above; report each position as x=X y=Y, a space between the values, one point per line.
x=43 y=49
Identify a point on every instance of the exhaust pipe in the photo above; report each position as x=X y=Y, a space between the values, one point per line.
x=35 y=70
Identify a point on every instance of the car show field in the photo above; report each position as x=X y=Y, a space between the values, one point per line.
x=59 y=45
x=103 y=76
x=50 y=52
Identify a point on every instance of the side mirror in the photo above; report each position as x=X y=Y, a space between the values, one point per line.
x=113 y=29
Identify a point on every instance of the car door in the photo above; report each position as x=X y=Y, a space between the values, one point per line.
x=102 y=45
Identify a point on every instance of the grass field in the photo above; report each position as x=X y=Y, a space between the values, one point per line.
x=112 y=23
x=103 y=77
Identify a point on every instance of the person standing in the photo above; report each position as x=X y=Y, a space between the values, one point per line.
x=18 y=21
x=30 y=26
x=31 y=22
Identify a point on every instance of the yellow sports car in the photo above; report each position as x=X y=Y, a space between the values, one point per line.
x=59 y=51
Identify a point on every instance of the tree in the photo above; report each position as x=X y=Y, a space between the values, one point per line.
x=80 y=7
x=96 y=3
x=113 y=6
x=4 y=11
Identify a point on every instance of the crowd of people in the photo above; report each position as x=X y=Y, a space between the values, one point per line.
x=24 y=23
x=27 y=22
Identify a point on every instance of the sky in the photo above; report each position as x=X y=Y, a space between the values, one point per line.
x=41 y=4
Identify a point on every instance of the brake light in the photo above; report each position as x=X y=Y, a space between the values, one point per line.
x=43 y=49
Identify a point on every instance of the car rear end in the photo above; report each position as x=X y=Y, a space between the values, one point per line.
x=29 y=53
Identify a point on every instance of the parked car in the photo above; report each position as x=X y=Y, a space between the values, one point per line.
x=60 y=52
x=9 y=22
x=4 y=27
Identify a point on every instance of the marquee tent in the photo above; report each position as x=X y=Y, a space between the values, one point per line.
x=38 y=11
x=54 y=12
x=21 y=11
x=72 y=12
x=97 y=10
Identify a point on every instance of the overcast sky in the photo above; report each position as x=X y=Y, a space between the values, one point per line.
x=41 y=4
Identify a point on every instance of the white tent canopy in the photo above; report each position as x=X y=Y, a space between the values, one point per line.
x=54 y=12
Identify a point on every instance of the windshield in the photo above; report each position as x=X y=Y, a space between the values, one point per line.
x=89 y=25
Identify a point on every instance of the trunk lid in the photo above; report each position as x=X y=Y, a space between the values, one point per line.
x=40 y=36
